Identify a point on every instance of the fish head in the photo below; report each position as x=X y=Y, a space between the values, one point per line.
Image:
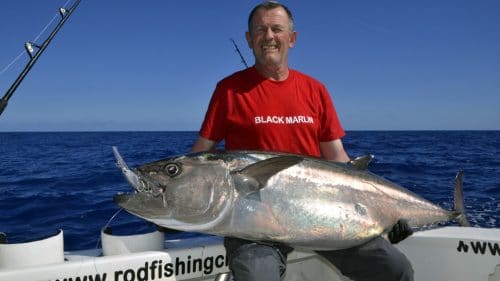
x=185 y=192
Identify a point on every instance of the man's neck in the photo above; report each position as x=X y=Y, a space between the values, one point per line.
x=273 y=73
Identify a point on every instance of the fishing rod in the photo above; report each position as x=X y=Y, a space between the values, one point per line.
x=30 y=49
x=239 y=53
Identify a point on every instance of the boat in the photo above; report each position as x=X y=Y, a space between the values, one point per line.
x=444 y=253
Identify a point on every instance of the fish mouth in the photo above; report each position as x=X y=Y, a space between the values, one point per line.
x=139 y=181
x=145 y=201
x=122 y=198
x=142 y=204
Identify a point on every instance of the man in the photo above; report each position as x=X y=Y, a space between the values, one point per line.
x=273 y=108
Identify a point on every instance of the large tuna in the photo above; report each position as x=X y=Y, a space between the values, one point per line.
x=299 y=201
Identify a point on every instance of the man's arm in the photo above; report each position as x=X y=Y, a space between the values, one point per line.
x=334 y=151
x=203 y=144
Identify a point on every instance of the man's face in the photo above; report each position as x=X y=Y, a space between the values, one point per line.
x=270 y=37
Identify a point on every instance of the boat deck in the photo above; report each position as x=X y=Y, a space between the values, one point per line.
x=449 y=253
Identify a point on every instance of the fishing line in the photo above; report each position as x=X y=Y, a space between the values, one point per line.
x=35 y=55
x=10 y=64
x=99 y=239
x=51 y=21
x=34 y=40
x=45 y=28
x=107 y=225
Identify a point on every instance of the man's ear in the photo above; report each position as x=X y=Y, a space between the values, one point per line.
x=293 y=38
x=249 y=39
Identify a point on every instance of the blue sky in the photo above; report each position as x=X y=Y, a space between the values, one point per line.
x=152 y=65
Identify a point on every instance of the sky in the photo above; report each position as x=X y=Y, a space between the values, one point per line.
x=122 y=65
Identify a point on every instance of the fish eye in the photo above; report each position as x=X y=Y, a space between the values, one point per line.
x=173 y=169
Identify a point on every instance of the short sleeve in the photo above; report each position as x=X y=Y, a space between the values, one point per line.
x=214 y=125
x=331 y=129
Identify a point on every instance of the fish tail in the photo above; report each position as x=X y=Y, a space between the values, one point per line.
x=459 y=206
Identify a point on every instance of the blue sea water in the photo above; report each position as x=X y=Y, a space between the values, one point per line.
x=51 y=181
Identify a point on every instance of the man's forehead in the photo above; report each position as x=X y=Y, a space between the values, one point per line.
x=270 y=16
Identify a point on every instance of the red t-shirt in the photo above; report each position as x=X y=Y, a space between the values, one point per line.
x=251 y=112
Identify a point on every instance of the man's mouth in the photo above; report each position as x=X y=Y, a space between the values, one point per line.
x=269 y=47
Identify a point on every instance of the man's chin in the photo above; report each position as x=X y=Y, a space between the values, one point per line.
x=272 y=62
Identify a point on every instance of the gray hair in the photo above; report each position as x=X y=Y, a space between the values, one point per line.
x=269 y=5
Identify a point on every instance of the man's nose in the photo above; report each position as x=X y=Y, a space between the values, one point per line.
x=269 y=33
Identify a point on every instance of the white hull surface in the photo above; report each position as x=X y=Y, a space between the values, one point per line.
x=449 y=253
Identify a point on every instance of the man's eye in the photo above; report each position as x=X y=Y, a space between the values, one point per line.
x=260 y=30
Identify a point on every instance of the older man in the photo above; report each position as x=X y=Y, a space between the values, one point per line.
x=271 y=107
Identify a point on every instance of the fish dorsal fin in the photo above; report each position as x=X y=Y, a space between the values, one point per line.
x=255 y=176
x=361 y=162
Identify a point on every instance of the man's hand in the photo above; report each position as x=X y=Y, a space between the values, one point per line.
x=400 y=231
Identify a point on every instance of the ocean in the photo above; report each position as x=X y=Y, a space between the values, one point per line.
x=67 y=180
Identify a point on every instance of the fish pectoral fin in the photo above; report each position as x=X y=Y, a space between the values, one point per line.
x=361 y=162
x=255 y=176
x=244 y=184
